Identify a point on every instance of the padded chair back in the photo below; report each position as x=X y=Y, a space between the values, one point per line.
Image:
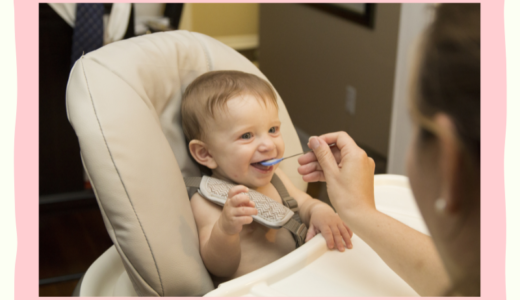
x=123 y=102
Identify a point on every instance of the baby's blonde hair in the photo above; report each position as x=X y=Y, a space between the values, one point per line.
x=212 y=90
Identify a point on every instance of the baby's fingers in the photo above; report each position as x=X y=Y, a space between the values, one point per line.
x=243 y=220
x=338 y=239
x=348 y=229
x=329 y=238
x=347 y=235
x=310 y=233
x=244 y=211
x=236 y=190
x=241 y=199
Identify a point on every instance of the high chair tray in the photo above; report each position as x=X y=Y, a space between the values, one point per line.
x=314 y=271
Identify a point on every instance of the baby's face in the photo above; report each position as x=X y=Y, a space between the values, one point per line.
x=241 y=137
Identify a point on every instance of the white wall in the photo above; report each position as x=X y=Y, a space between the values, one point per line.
x=413 y=20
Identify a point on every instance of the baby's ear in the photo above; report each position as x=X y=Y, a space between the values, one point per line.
x=200 y=153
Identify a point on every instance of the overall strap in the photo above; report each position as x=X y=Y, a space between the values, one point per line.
x=297 y=229
x=295 y=224
x=193 y=184
x=282 y=191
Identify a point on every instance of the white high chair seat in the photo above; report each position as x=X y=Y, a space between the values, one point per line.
x=123 y=102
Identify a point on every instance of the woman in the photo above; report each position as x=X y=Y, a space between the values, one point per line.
x=443 y=166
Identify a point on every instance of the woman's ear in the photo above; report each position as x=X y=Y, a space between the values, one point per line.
x=450 y=164
x=200 y=153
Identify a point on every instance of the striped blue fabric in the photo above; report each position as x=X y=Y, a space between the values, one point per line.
x=88 y=29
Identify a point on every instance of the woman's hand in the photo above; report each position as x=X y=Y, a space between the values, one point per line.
x=346 y=168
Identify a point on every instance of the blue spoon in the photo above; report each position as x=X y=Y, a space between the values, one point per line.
x=275 y=161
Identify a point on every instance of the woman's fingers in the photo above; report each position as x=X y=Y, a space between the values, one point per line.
x=309 y=168
x=324 y=155
x=372 y=163
x=314 y=177
x=311 y=157
x=306 y=158
x=311 y=172
x=341 y=139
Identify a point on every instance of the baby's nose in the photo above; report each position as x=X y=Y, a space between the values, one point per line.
x=266 y=144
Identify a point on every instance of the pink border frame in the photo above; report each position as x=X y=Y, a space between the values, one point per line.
x=493 y=116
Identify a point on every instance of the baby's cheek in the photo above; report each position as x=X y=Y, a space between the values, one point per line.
x=234 y=176
x=281 y=147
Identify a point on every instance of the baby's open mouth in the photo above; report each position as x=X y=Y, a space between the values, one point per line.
x=261 y=167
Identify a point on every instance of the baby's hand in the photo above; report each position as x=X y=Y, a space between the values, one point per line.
x=237 y=210
x=326 y=221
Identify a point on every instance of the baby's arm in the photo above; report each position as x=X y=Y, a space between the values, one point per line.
x=219 y=230
x=319 y=217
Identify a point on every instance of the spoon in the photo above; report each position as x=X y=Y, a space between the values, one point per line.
x=275 y=161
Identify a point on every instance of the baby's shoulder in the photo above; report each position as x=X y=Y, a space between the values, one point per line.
x=202 y=206
x=196 y=197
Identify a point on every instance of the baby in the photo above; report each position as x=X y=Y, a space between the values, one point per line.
x=231 y=121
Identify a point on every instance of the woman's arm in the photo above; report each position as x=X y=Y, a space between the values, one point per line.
x=350 y=185
x=410 y=253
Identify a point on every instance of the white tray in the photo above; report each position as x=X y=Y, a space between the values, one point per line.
x=314 y=271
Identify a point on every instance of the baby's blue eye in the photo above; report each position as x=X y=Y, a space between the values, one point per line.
x=246 y=136
x=273 y=129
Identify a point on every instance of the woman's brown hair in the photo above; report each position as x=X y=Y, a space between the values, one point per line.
x=449 y=73
x=448 y=82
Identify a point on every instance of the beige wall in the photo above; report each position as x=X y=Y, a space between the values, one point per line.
x=311 y=57
x=224 y=19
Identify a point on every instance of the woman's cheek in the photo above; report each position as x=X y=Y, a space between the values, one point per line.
x=411 y=156
x=412 y=165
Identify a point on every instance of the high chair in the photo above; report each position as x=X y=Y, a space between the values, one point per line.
x=123 y=102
